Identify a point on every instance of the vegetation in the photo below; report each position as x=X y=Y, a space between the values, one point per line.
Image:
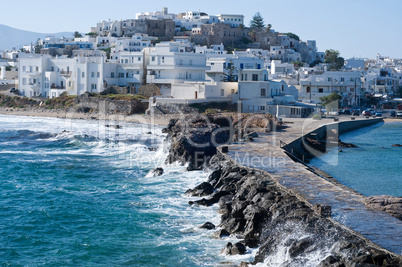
x=77 y=34
x=229 y=75
x=257 y=21
x=91 y=34
x=214 y=107
x=120 y=97
x=293 y=36
x=316 y=117
x=334 y=60
x=332 y=101
x=298 y=64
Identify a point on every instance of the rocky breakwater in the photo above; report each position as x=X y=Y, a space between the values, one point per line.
x=263 y=214
x=195 y=138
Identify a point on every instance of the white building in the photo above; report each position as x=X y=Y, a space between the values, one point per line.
x=347 y=84
x=134 y=44
x=256 y=92
x=234 y=20
x=157 y=15
x=173 y=62
x=42 y=75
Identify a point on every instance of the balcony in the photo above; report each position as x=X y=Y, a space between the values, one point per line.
x=57 y=87
x=65 y=73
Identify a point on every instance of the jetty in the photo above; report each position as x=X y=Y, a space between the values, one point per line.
x=282 y=155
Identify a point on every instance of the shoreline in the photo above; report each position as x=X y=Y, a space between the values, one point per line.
x=161 y=120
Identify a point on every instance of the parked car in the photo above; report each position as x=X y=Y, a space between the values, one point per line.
x=392 y=113
x=347 y=112
x=355 y=113
x=366 y=113
x=378 y=114
x=333 y=113
x=13 y=90
x=399 y=113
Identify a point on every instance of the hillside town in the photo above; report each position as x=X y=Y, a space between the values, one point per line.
x=194 y=57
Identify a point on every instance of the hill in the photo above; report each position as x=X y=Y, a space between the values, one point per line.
x=11 y=37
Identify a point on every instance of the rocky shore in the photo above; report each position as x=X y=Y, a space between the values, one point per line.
x=258 y=210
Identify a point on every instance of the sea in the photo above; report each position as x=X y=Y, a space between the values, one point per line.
x=81 y=193
x=374 y=167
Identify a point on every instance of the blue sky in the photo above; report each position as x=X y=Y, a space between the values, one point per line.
x=360 y=28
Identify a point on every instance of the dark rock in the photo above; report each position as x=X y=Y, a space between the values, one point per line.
x=204 y=189
x=322 y=210
x=157 y=172
x=236 y=249
x=220 y=233
x=389 y=204
x=208 y=225
x=342 y=144
x=397 y=145
x=298 y=247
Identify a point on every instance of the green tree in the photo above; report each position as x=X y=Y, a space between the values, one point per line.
x=77 y=34
x=332 y=101
x=229 y=75
x=298 y=64
x=334 y=60
x=269 y=26
x=293 y=36
x=257 y=21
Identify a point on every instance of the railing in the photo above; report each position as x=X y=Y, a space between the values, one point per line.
x=65 y=73
x=57 y=87
x=294 y=153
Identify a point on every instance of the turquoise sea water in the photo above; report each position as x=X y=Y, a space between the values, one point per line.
x=76 y=192
x=375 y=167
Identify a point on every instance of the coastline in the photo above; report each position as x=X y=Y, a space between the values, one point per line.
x=248 y=195
x=161 y=120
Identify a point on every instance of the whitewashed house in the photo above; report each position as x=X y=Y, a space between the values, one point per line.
x=44 y=76
x=173 y=62
x=346 y=83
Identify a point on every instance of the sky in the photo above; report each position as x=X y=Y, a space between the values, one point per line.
x=356 y=28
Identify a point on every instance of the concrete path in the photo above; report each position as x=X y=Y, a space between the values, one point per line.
x=347 y=207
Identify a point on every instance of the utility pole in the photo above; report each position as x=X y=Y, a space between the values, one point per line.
x=310 y=92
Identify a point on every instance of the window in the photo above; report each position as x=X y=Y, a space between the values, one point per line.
x=69 y=84
x=153 y=58
x=308 y=89
x=126 y=74
x=24 y=81
x=126 y=61
x=37 y=68
x=321 y=90
x=51 y=68
x=93 y=86
x=92 y=74
x=24 y=68
x=262 y=108
x=98 y=74
x=342 y=79
x=232 y=91
x=163 y=59
x=83 y=74
x=241 y=66
x=121 y=75
x=112 y=75
x=329 y=79
x=245 y=77
x=139 y=58
x=30 y=68
x=255 y=77
x=222 y=92
x=263 y=92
